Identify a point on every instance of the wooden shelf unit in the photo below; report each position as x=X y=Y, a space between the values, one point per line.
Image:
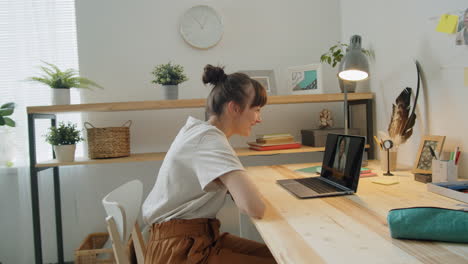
x=49 y=112
x=188 y=103
x=155 y=156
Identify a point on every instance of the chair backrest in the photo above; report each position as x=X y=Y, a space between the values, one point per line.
x=123 y=206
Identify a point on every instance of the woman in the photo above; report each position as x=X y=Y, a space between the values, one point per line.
x=340 y=157
x=198 y=171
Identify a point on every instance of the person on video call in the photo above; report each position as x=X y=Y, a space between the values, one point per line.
x=340 y=158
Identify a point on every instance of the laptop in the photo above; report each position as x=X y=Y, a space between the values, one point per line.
x=340 y=170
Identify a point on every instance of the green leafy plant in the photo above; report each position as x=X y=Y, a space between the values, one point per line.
x=336 y=52
x=64 y=134
x=168 y=74
x=57 y=79
x=7 y=110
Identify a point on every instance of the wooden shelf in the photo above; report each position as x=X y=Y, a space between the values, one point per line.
x=188 y=103
x=140 y=157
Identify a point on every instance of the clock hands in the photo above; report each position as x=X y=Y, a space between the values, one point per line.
x=204 y=21
x=201 y=26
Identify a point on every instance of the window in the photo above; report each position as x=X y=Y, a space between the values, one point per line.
x=31 y=31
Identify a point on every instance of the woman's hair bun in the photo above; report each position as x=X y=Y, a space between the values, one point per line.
x=213 y=74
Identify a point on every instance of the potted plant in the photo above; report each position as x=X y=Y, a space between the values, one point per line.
x=333 y=56
x=169 y=76
x=61 y=82
x=7 y=140
x=63 y=139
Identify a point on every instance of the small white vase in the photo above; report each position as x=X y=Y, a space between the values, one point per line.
x=65 y=153
x=171 y=92
x=7 y=145
x=60 y=96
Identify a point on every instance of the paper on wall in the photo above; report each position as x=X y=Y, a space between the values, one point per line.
x=447 y=23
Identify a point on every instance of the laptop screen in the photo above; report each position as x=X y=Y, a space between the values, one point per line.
x=342 y=159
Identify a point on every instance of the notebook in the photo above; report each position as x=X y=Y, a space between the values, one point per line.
x=340 y=170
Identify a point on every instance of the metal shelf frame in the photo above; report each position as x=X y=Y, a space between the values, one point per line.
x=34 y=174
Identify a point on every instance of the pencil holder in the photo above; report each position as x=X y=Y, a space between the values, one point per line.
x=444 y=171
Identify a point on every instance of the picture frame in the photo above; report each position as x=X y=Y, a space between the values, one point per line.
x=264 y=77
x=306 y=79
x=423 y=162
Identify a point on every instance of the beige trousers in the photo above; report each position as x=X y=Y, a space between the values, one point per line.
x=199 y=241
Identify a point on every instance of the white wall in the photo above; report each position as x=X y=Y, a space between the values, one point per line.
x=121 y=41
x=400 y=32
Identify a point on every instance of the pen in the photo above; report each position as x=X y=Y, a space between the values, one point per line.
x=455 y=153
x=457 y=157
x=432 y=152
x=378 y=142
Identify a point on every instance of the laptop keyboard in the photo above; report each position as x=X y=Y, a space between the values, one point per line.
x=318 y=185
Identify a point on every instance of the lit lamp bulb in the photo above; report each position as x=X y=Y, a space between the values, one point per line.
x=353 y=67
x=353 y=75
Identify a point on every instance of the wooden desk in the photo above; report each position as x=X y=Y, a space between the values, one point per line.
x=347 y=229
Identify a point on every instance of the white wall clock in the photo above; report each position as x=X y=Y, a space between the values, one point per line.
x=201 y=27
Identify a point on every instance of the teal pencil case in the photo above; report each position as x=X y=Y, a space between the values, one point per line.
x=429 y=223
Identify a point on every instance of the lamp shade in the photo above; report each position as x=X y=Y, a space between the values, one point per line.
x=354 y=65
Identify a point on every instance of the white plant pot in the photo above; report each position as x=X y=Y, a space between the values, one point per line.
x=171 y=92
x=7 y=145
x=60 y=96
x=65 y=153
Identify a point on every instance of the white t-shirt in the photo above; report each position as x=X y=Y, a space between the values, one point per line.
x=184 y=188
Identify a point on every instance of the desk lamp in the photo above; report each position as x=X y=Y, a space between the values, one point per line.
x=353 y=67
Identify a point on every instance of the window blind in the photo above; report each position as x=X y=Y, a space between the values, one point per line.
x=32 y=31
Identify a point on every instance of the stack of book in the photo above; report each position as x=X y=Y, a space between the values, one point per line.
x=366 y=172
x=274 y=142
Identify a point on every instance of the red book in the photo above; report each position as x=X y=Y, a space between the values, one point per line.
x=275 y=147
x=367 y=174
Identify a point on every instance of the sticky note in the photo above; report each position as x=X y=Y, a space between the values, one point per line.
x=466 y=76
x=447 y=23
x=385 y=181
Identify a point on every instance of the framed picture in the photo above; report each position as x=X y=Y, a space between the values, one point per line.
x=265 y=77
x=305 y=79
x=423 y=163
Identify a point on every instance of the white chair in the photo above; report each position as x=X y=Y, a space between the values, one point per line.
x=122 y=206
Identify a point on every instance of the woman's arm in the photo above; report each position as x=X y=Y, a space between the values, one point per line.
x=244 y=193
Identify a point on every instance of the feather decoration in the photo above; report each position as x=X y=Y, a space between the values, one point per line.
x=401 y=123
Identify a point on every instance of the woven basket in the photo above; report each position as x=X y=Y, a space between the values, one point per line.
x=108 y=142
x=91 y=251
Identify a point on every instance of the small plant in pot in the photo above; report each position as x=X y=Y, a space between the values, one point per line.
x=169 y=76
x=61 y=82
x=333 y=57
x=7 y=140
x=63 y=139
